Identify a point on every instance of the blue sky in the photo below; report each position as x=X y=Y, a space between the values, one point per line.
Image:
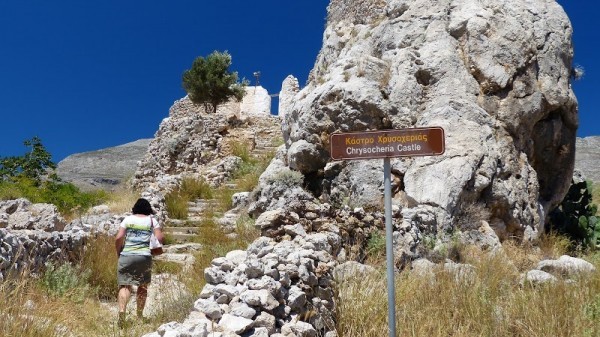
x=86 y=75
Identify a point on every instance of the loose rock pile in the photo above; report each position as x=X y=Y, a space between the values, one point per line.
x=271 y=289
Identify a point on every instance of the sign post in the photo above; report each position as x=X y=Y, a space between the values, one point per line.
x=387 y=144
x=389 y=245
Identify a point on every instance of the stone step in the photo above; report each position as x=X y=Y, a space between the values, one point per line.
x=181 y=230
x=193 y=220
x=175 y=223
x=202 y=202
x=183 y=259
x=264 y=150
x=196 y=218
x=182 y=237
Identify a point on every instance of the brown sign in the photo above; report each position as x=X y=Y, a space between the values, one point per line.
x=388 y=143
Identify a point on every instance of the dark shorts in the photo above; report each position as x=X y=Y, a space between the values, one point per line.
x=134 y=270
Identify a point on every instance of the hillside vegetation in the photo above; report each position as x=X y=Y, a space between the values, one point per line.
x=491 y=301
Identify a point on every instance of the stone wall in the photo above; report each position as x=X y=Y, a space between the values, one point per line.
x=257 y=101
x=28 y=250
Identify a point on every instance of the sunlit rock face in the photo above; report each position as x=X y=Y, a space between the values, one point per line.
x=496 y=75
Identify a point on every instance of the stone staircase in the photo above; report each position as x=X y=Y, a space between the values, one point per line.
x=185 y=231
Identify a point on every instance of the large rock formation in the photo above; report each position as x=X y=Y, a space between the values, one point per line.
x=495 y=75
x=105 y=168
x=587 y=157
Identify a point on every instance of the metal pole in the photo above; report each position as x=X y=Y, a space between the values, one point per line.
x=389 y=246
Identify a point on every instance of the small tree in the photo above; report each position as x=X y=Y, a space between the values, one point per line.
x=210 y=82
x=33 y=165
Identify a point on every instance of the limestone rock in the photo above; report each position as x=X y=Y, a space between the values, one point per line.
x=566 y=266
x=351 y=270
x=537 y=277
x=21 y=214
x=235 y=324
x=289 y=88
x=495 y=76
x=196 y=144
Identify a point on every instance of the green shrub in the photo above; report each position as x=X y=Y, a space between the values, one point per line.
x=376 y=243
x=375 y=248
x=65 y=196
x=210 y=82
x=66 y=281
x=596 y=195
x=34 y=164
x=10 y=190
x=288 y=178
x=68 y=198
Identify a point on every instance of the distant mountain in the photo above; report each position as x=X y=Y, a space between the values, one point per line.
x=587 y=157
x=105 y=168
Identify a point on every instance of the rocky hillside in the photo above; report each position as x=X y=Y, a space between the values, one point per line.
x=191 y=142
x=587 y=157
x=105 y=168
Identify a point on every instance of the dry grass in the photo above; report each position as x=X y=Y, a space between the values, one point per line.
x=100 y=259
x=176 y=205
x=189 y=189
x=492 y=303
x=30 y=309
x=121 y=201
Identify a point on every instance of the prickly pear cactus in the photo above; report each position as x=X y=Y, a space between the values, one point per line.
x=576 y=216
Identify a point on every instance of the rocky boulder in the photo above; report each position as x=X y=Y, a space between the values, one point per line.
x=496 y=76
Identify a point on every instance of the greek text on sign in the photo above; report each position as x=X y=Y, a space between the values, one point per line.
x=388 y=143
